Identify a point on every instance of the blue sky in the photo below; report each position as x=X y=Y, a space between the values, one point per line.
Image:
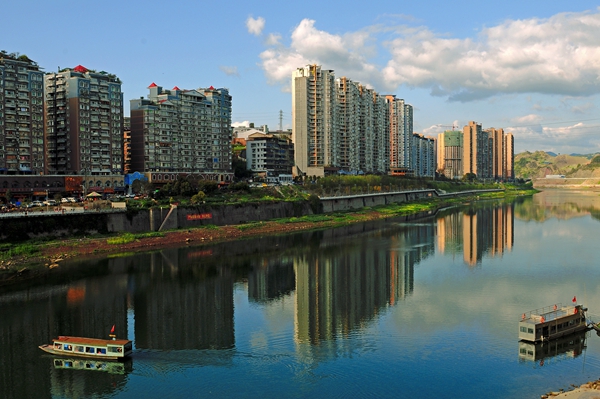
x=530 y=67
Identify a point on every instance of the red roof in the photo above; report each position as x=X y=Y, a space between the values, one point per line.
x=80 y=68
x=152 y=85
x=211 y=88
x=176 y=88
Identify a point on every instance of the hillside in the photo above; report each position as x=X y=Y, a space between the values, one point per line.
x=531 y=165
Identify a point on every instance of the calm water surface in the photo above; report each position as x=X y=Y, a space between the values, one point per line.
x=426 y=308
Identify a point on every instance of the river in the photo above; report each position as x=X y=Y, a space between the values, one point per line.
x=418 y=308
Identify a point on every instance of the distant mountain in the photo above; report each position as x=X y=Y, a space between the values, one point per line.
x=540 y=163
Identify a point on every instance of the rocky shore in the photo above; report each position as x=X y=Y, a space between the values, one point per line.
x=589 y=390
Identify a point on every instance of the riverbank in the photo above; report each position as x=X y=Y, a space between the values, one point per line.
x=43 y=257
x=589 y=390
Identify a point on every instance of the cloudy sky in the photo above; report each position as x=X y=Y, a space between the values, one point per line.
x=530 y=67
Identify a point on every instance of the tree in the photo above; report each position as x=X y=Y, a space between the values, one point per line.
x=198 y=198
x=469 y=177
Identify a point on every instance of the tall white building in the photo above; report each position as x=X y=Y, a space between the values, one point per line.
x=400 y=135
x=342 y=126
x=314 y=130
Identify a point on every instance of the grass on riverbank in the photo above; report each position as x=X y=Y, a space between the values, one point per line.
x=126 y=238
x=9 y=251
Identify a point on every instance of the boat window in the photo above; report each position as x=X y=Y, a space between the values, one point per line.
x=58 y=362
x=101 y=350
x=68 y=363
x=571 y=322
x=553 y=329
x=113 y=349
x=79 y=349
x=68 y=347
x=89 y=350
x=523 y=351
x=57 y=346
x=559 y=327
x=523 y=329
x=566 y=324
x=530 y=330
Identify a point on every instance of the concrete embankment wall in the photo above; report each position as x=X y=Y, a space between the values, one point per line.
x=20 y=228
x=350 y=202
x=35 y=225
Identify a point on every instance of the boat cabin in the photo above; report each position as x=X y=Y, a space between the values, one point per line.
x=551 y=322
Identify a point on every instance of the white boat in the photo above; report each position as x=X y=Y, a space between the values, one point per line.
x=110 y=349
x=551 y=322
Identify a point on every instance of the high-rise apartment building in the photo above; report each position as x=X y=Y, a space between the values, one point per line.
x=361 y=128
x=400 y=135
x=423 y=156
x=477 y=151
x=498 y=153
x=343 y=126
x=314 y=117
x=84 y=122
x=450 y=154
x=182 y=132
x=21 y=115
x=509 y=157
x=502 y=154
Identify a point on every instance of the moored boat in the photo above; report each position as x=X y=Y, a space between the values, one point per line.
x=110 y=349
x=552 y=322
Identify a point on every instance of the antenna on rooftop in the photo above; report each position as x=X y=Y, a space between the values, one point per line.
x=280 y=120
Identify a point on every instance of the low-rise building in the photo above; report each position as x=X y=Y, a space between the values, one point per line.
x=269 y=154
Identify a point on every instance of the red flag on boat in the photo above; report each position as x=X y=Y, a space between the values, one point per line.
x=574 y=299
x=112 y=330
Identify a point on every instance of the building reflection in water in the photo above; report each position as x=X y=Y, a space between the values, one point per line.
x=271 y=279
x=182 y=305
x=339 y=292
x=477 y=231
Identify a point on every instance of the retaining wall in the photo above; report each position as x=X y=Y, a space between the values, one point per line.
x=71 y=224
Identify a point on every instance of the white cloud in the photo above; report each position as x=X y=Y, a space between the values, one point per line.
x=255 y=26
x=577 y=138
x=229 y=70
x=273 y=39
x=528 y=119
x=558 y=55
x=344 y=53
x=241 y=124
